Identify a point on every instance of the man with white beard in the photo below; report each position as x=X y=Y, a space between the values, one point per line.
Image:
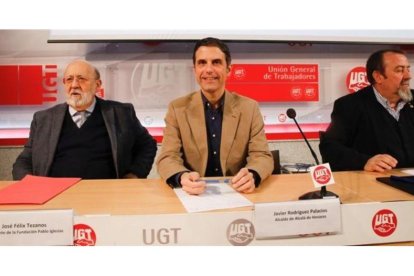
x=373 y=128
x=86 y=137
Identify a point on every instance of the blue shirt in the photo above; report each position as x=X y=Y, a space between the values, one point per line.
x=214 y=122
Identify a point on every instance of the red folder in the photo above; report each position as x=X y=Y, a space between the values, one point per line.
x=35 y=189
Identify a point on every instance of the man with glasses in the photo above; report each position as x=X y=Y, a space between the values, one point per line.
x=86 y=137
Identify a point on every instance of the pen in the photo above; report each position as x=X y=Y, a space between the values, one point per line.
x=211 y=181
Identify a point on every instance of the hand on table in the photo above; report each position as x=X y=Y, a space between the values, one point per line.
x=380 y=163
x=192 y=184
x=243 y=181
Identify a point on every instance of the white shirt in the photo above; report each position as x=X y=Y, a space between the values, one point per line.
x=77 y=115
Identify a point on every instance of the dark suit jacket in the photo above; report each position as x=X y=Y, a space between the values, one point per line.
x=243 y=140
x=133 y=148
x=361 y=128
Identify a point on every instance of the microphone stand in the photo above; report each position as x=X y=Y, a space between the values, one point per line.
x=315 y=194
x=318 y=194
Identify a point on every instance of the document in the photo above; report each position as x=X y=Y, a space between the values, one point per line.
x=35 y=189
x=408 y=171
x=219 y=195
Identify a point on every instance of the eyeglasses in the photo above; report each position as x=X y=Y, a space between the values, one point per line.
x=71 y=79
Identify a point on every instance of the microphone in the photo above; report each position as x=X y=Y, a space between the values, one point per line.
x=291 y=113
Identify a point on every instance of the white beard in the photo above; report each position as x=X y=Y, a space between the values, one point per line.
x=405 y=95
x=85 y=100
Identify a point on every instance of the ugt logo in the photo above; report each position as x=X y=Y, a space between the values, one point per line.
x=322 y=175
x=239 y=73
x=384 y=223
x=356 y=79
x=83 y=235
x=240 y=232
x=28 y=84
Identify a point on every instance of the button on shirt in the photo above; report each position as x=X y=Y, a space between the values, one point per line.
x=79 y=117
x=214 y=121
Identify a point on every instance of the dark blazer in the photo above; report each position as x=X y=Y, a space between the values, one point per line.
x=133 y=148
x=361 y=128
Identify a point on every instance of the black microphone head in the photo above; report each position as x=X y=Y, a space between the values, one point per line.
x=291 y=113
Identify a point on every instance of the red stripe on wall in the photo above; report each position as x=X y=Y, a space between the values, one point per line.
x=13 y=142
x=18 y=137
x=30 y=84
x=9 y=80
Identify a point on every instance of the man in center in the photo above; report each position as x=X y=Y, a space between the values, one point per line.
x=213 y=132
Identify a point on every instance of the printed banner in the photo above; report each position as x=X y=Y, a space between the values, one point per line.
x=275 y=82
x=360 y=223
x=28 y=84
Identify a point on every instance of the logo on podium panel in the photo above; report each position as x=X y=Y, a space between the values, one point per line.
x=240 y=232
x=384 y=223
x=83 y=235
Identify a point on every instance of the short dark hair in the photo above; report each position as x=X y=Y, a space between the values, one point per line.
x=213 y=42
x=376 y=63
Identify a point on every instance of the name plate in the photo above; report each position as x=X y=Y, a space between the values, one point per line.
x=294 y=218
x=40 y=227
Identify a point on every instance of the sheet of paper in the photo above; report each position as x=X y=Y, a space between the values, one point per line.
x=217 y=196
x=35 y=189
x=408 y=171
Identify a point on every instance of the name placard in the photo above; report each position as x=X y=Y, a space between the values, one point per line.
x=293 y=218
x=41 y=227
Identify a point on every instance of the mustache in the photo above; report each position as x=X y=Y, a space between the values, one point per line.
x=405 y=81
x=75 y=91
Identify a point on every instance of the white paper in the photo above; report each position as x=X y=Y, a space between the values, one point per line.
x=408 y=171
x=216 y=196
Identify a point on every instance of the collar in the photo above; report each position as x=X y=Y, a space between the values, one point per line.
x=207 y=104
x=384 y=102
x=90 y=109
